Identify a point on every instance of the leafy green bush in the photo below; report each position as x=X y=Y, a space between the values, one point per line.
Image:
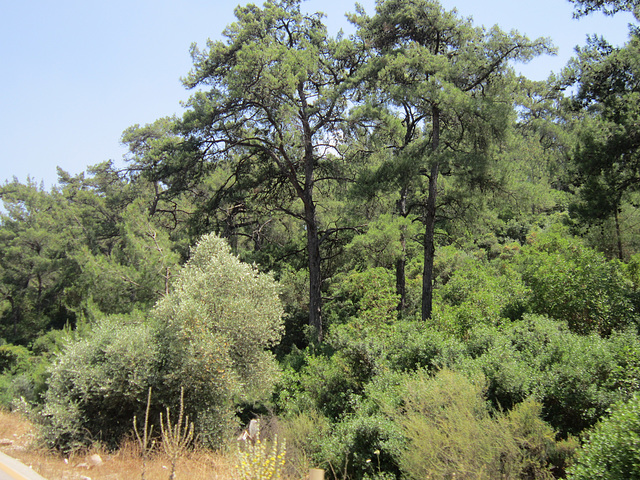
x=305 y=433
x=14 y=358
x=361 y=446
x=541 y=453
x=23 y=375
x=612 y=450
x=479 y=292
x=399 y=346
x=354 y=355
x=214 y=329
x=580 y=386
x=576 y=284
x=510 y=378
x=209 y=335
x=364 y=298
x=99 y=383
x=413 y=345
x=331 y=384
x=575 y=377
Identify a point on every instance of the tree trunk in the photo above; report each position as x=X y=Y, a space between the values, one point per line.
x=15 y=316
x=313 y=240
x=315 y=275
x=401 y=262
x=430 y=220
x=429 y=245
x=618 y=235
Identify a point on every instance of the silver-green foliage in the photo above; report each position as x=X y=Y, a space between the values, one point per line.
x=97 y=383
x=215 y=328
x=210 y=335
x=222 y=305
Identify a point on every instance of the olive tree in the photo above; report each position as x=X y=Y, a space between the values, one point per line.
x=209 y=335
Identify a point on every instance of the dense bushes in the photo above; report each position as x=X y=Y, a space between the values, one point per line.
x=23 y=375
x=576 y=284
x=99 y=383
x=575 y=377
x=536 y=386
x=209 y=335
x=479 y=292
x=492 y=379
x=612 y=450
x=452 y=433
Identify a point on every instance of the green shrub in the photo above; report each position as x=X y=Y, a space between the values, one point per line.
x=414 y=345
x=479 y=292
x=209 y=336
x=354 y=355
x=14 y=358
x=305 y=433
x=330 y=384
x=576 y=284
x=575 y=377
x=6 y=391
x=100 y=383
x=510 y=378
x=580 y=386
x=625 y=347
x=364 y=298
x=612 y=450
x=23 y=375
x=450 y=431
x=221 y=304
x=541 y=454
x=362 y=446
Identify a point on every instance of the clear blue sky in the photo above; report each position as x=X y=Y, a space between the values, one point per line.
x=76 y=73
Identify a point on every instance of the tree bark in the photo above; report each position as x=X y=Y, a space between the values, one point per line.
x=429 y=245
x=618 y=235
x=313 y=240
x=430 y=220
x=315 y=275
x=401 y=262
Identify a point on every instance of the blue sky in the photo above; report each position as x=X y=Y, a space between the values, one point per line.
x=76 y=73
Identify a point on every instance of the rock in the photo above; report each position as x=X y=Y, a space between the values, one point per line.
x=4 y=442
x=94 y=460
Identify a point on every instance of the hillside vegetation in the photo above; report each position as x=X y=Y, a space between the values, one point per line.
x=404 y=259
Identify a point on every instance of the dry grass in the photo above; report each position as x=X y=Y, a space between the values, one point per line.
x=124 y=464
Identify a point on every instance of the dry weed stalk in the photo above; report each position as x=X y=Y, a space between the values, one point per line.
x=124 y=463
x=176 y=438
x=144 y=441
